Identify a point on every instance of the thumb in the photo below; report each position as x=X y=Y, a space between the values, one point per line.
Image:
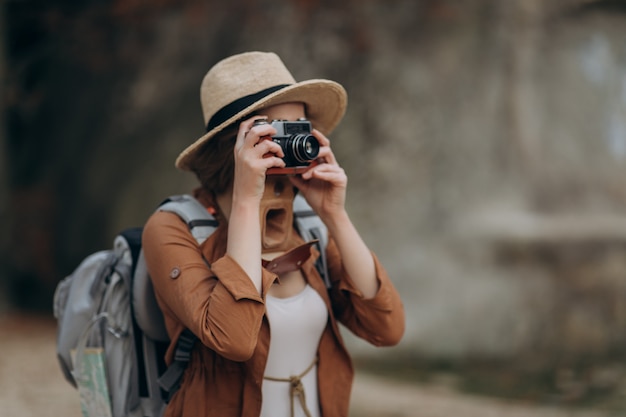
x=297 y=181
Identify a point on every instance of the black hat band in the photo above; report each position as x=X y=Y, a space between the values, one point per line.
x=238 y=105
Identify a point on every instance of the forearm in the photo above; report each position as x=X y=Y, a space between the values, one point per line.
x=244 y=239
x=356 y=256
x=219 y=303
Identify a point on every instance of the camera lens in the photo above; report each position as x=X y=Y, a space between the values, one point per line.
x=304 y=147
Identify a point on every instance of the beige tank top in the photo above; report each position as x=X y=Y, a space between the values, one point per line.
x=296 y=326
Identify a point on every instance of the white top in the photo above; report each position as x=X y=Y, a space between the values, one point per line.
x=296 y=326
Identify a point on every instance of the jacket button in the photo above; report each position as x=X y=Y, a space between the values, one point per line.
x=175 y=272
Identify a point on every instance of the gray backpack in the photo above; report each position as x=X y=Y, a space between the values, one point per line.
x=111 y=338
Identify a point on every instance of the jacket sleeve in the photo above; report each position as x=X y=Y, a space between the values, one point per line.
x=379 y=320
x=218 y=303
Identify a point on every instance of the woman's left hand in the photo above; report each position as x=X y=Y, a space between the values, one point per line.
x=323 y=185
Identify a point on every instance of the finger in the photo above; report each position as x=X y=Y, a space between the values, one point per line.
x=264 y=147
x=244 y=131
x=258 y=160
x=323 y=140
x=297 y=181
x=262 y=130
x=272 y=162
x=326 y=172
x=325 y=154
x=321 y=168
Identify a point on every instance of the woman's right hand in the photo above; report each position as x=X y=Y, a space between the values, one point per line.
x=253 y=157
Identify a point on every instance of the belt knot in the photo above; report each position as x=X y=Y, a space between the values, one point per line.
x=296 y=389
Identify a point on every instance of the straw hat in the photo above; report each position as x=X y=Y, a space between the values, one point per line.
x=241 y=84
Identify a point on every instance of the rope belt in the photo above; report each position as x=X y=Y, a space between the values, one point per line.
x=296 y=388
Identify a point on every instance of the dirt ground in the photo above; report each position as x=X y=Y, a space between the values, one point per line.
x=31 y=384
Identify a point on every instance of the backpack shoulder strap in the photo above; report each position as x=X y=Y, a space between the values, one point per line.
x=169 y=381
x=311 y=227
x=201 y=223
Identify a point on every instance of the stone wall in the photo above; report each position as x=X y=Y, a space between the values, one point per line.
x=457 y=111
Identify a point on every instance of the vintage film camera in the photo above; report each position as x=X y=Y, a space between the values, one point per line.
x=298 y=144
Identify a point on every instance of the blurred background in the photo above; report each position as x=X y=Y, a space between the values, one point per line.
x=485 y=143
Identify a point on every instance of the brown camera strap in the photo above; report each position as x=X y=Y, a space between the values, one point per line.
x=290 y=261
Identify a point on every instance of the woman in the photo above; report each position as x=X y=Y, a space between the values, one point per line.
x=268 y=341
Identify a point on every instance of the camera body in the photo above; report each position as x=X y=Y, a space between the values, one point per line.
x=295 y=139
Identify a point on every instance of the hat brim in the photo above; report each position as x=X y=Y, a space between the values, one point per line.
x=325 y=102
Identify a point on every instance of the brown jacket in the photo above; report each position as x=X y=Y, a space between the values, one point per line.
x=222 y=307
